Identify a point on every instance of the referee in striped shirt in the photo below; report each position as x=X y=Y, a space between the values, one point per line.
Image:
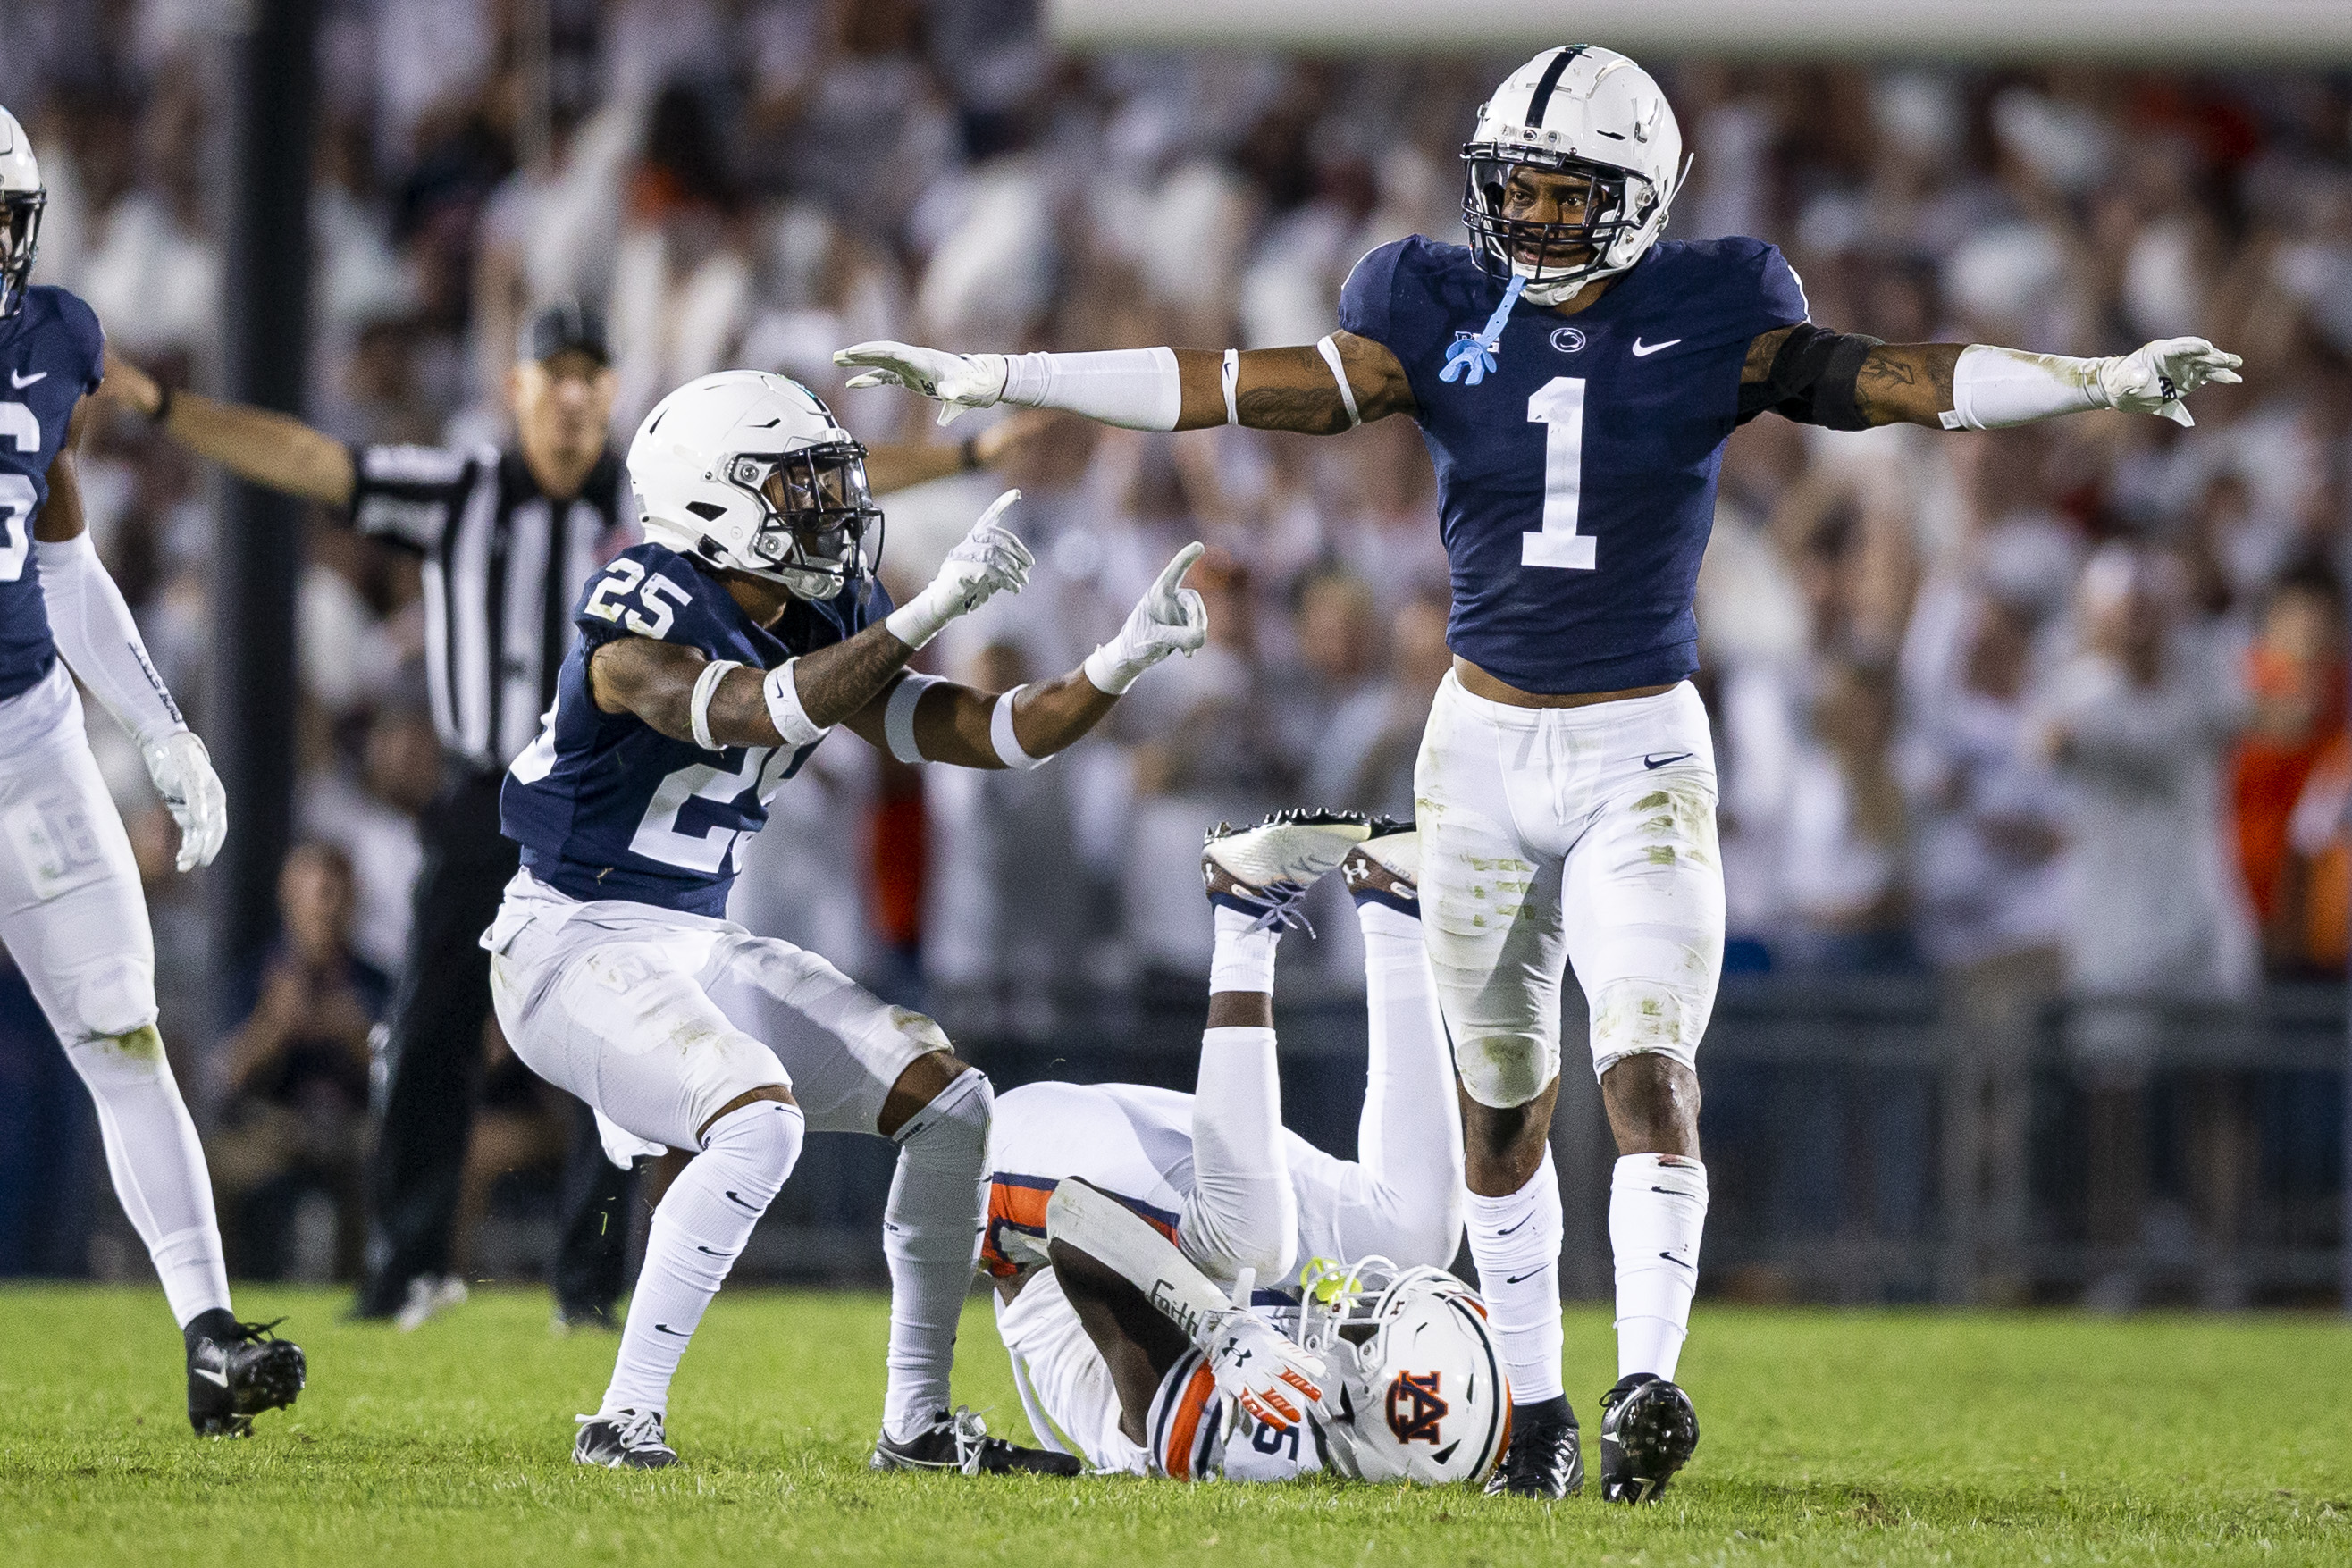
x=509 y=537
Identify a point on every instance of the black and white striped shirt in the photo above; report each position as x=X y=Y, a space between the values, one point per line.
x=503 y=567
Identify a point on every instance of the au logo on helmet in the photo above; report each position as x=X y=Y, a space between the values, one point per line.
x=1415 y=1407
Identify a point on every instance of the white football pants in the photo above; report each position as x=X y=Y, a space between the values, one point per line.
x=1551 y=836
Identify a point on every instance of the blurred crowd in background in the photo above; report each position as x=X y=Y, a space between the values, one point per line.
x=2054 y=710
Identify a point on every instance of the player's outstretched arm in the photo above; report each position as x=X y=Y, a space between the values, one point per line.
x=924 y=719
x=276 y=451
x=687 y=696
x=1318 y=389
x=101 y=644
x=1848 y=381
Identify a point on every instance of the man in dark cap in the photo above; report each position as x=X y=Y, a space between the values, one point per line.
x=509 y=537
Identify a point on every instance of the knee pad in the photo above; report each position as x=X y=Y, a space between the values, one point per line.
x=952 y=1132
x=1505 y=1070
x=114 y=995
x=756 y=1145
x=1645 y=1017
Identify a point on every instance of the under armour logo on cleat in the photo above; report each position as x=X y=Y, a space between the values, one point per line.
x=1648 y=761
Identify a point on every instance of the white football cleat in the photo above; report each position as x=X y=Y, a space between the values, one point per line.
x=1266 y=871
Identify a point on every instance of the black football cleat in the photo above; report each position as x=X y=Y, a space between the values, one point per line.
x=237 y=1370
x=1648 y=1431
x=961 y=1442
x=1544 y=1460
x=625 y=1441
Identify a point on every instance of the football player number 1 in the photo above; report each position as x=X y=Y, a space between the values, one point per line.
x=1559 y=406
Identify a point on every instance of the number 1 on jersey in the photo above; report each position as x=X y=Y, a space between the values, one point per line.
x=1559 y=406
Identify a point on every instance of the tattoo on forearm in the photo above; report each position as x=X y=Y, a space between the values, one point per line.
x=836 y=682
x=1904 y=382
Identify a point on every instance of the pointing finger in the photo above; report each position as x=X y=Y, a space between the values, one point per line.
x=1163 y=591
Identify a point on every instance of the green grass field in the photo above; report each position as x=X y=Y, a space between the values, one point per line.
x=1829 y=1437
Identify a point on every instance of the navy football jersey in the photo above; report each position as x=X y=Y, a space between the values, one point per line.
x=604 y=805
x=1576 y=481
x=52 y=353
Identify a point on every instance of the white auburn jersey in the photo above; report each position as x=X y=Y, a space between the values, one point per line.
x=1136 y=1144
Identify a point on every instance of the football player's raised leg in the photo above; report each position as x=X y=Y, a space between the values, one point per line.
x=1644 y=889
x=1407 y=1203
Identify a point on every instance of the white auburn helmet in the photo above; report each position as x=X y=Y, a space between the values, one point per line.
x=1584 y=111
x=1421 y=1395
x=747 y=472
x=21 y=196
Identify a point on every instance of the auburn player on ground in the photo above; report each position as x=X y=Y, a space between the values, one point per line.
x=1123 y=1221
x=1575 y=380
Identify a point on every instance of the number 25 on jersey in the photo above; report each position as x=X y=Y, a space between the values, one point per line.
x=626 y=578
x=1559 y=406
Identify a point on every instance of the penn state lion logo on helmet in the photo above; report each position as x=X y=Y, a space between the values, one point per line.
x=1421 y=1395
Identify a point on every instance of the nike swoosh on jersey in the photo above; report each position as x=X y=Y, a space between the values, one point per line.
x=1644 y=350
x=1649 y=761
x=20 y=382
x=209 y=1376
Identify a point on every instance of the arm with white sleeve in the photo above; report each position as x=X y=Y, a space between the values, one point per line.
x=94 y=633
x=1273 y=1378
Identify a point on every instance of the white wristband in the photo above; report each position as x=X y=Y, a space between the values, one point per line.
x=1994 y=388
x=1232 y=377
x=1007 y=744
x=1330 y=352
x=784 y=710
x=698 y=708
x=1137 y=387
x=898 y=718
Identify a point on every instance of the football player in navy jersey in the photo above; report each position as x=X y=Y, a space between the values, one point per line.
x=70 y=911
x=1575 y=380
x=712 y=660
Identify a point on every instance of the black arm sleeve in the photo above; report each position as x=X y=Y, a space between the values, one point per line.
x=1811 y=380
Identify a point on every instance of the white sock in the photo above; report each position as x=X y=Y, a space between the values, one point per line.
x=1408 y=1138
x=1243 y=1211
x=1516 y=1243
x=1243 y=958
x=930 y=1234
x=158 y=1165
x=699 y=1230
x=1657 y=1206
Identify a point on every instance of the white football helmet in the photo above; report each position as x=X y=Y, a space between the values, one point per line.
x=1582 y=111
x=747 y=472
x=22 y=197
x=1416 y=1391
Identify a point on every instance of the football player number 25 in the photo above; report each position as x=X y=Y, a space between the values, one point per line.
x=625 y=577
x=1559 y=406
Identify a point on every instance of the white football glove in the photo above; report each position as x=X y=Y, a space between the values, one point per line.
x=958 y=381
x=2155 y=377
x=1273 y=1378
x=1166 y=620
x=989 y=562
x=183 y=772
